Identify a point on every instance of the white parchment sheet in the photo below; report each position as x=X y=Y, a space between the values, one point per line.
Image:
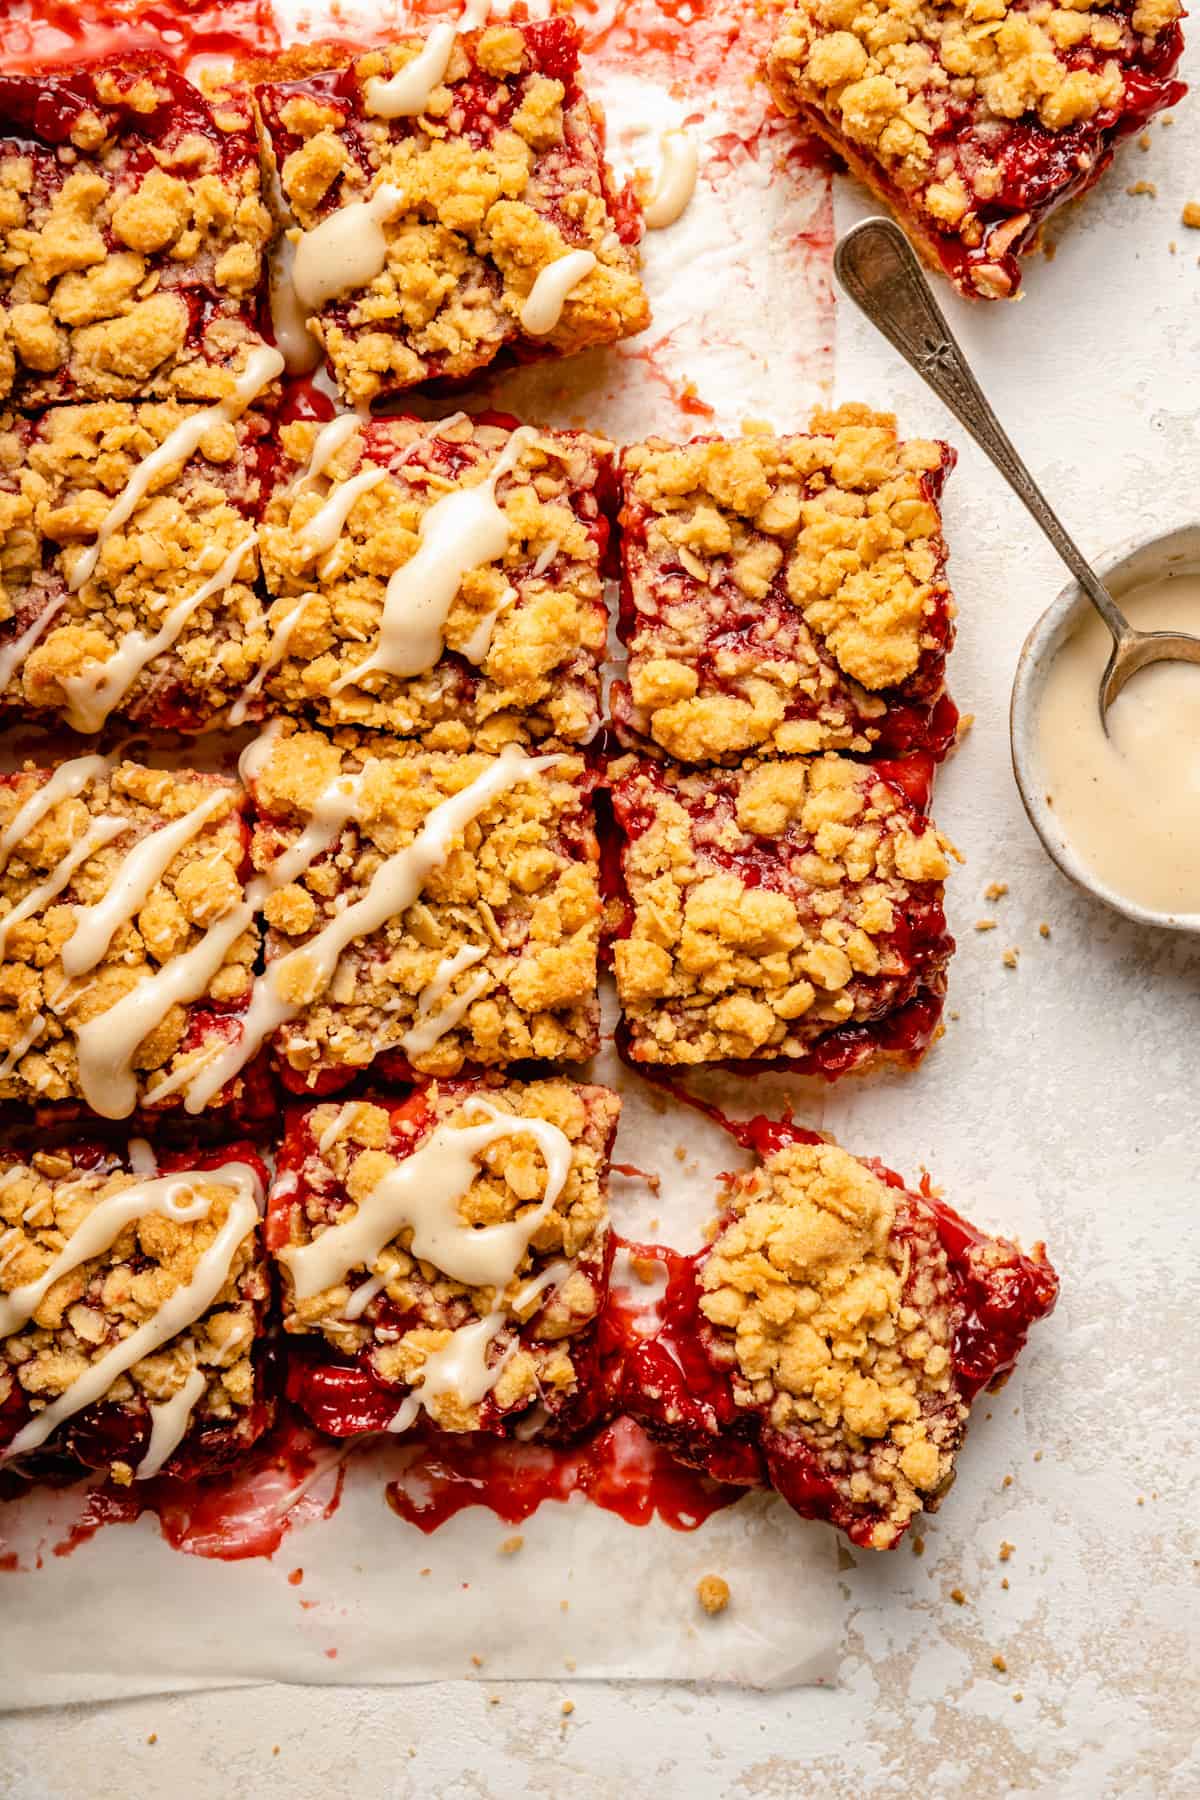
x=742 y=320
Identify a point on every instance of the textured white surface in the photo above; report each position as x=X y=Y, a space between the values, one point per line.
x=1061 y=1102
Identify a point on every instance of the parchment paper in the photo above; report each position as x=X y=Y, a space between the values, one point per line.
x=742 y=323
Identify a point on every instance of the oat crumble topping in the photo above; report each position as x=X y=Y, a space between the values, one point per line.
x=203 y=881
x=522 y=887
x=539 y=677
x=771 y=905
x=833 y=1302
x=131 y=235
x=784 y=594
x=503 y=173
x=974 y=118
x=59 y=476
x=419 y=1307
x=94 y=1307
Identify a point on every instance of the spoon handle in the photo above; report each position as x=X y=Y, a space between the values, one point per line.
x=881 y=274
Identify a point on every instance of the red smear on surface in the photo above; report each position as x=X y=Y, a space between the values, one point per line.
x=618 y=1470
x=59 y=31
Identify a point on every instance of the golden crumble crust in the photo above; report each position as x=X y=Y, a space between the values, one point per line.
x=521 y=888
x=941 y=104
x=770 y=906
x=203 y=880
x=511 y=1180
x=534 y=676
x=503 y=173
x=132 y=229
x=91 y=1309
x=833 y=1305
x=782 y=594
x=60 y=475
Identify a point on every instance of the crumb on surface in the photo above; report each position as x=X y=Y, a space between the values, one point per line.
x=1148 y=188
x=1010 y=957
x=1043 y=929
x=511 y=1545
x=1191 y=215
x=153 y=1738
x=958 y=1596
x=999 y=1663
x=712 y=1591
x=995 y=890
x=1004 y=1582
x=985 y=924
x=918 y=1545
x=568 y=1707
x=1006 y=1550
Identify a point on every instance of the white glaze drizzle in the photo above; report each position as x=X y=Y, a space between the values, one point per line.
x=363 y=1295
x=106 y=1044
x=480 y=640
x=14 y=654
x=423 y=1192
x=185 y=1306
x=258 y=752
x=329 y=439
x=300 y=349
x=169 y=1419
x=395 y=885
x=676 y=181
x=545 y=557
x=406 y=94
x=460 y=532
x=262 y=366
x=345 y=251
x=96 y=925
x=142 y=1159
x=337 y=1125
x=171 y=1197
x=68 y=780
x=460 y=1368
x=100 y=832
x=431 y=1025
x=546 y=298
x=277 y=649
x=92 y=696
x=26 y=1041
x=322 y=531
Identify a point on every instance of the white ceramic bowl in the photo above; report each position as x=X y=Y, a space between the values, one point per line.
x=1131 y=566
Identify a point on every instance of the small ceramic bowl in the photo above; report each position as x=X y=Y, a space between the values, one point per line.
x=1130 y=567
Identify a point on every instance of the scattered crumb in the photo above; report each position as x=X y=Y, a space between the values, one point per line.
x=985 y=924
x=1141 y=1502
x=918 y=1545
x=563 y=1605
x=1043 y=929
x=713 y=1593
x=1167 y=119
x=645 y=1268
x=1144 y=141
x=1009 y=959
x=511 y=1545
x=1006 y=1550
x=1143 y=187
x=1007 y=1482
x=681 y=1153
x=153 y=1738
x=426 y=1571
x=493 y=1699
x=296 y=1577
x=1172 y=246
x=569 y=1664
x=955 y=1015
x=477 y=1660
x=1191 y=215
x=998 y=1662
x=568 y=1707
x=995 y=890
x=964 y=725
x=1018 y=1697
x=958 y=1597
x=1004 y=1582
x=1037 y=1455
x=274 y=1749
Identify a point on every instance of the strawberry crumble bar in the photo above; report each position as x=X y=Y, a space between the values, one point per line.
x=353 y=1362
x=786 y=910
x=498 y=174
x=522 y=639
x=75 y=944
x=132 y=230
x=786 y=594
x=129 y=1245
x=833 y=1337
x=975 y=119
x=495 y=962
x=127 y=639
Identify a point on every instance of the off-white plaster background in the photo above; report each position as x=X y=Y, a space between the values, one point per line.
x=1062 y=1102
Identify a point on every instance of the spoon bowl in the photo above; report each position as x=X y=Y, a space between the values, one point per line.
x=1132 y=565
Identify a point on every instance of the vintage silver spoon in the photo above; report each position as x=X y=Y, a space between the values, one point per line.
x=880 y=272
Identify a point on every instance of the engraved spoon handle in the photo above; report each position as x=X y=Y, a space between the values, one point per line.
x=878 y=269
